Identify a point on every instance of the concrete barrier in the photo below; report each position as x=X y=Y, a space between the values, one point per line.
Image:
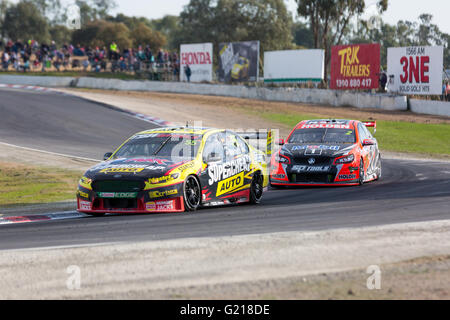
x=313 y=96
x=301 y=95
x=440 y=108
x=42 y=81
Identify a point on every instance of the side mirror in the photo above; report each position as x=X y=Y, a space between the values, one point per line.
x=107 y=155
x=368 y=142
x=213 y=157
x=280 y=142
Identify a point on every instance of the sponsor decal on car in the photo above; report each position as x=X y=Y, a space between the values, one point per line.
x=218 y=172
x=161 y=205
x=324 y=125
x=83 y=194
x=230 y=184
x=85 y=205
x=347 y=176
x=299 y=168
x=160 y=194
x=319 y=147
x=117 y=194
x=148 y=160
x=130 y=168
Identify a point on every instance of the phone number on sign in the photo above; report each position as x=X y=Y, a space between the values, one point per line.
x=353 y=83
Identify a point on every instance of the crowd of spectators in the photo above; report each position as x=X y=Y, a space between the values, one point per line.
x=32 y=56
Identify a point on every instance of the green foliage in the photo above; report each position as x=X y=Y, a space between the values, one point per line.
x=102 y=33
x=143 y=35
x=233 y=20
x=24 y=21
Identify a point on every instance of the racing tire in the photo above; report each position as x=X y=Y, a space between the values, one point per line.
x=256 y=188
x=192 y=193
x=361 y=172
x=379 y=171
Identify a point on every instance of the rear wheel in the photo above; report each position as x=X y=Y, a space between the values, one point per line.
x=256 y=188
x=191 y=193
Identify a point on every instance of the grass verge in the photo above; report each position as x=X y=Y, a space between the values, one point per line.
x=396 y=136
x=23 y=184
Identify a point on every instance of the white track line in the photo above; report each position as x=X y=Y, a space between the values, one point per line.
x=49 y=152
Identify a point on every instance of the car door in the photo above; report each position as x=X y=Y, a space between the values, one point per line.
x=369 y=151
x=238 y=162
x=213 y=156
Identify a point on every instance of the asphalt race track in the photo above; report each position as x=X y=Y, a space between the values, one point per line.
x=409 y=191
x=63 y=123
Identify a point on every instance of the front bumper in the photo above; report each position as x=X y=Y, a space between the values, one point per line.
x=98 y=205
x=329 y=175
x=162 y=199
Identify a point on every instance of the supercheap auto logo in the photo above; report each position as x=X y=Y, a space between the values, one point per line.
x=230 y=184
x=218 y=172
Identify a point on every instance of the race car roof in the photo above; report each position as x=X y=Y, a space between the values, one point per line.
x=178 y=130
x=325 y=123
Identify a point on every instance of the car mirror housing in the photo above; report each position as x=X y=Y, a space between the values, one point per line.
x=107 y=155
x=280 y=142
x=368 y=142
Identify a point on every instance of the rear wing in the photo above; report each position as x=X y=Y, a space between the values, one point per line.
x=372 y=124
x=262 y=140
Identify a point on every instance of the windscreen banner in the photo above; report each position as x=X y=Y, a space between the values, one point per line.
x=355 y=66
x=238 y=61
x=294 y=66
x=415 y=70
x=199 y=58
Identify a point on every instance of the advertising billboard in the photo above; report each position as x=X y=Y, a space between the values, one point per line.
x=415 y=70
x=238 y=61
x=199 y=58
x=355 y=66
x=294 y=65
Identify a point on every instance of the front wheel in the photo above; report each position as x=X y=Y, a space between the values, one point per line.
x=192 y=193
x=256 y=188
x=361 y=172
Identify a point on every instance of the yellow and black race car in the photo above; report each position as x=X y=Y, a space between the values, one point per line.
x=174 y=169
x=240 y=69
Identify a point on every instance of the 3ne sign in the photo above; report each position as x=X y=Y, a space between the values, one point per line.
x=355 y=66
x=415 y=70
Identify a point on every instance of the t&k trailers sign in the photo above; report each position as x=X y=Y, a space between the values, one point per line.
x=355 y=66
x=415 y=70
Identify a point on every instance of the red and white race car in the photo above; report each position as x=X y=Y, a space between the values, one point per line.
x=327 y=152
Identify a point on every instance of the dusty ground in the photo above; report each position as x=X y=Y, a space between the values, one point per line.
x=420 y=278
x=263 y=266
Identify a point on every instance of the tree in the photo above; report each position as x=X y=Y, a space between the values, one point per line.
x=102 y=33
x=24 y=21
x=302 y=35
x=143 y=35
x=4 y=4
x=231 y=20
x=91 y=10
x=330 y=19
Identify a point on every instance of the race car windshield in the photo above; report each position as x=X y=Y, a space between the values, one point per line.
x=171 y=147
x=323 y=135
